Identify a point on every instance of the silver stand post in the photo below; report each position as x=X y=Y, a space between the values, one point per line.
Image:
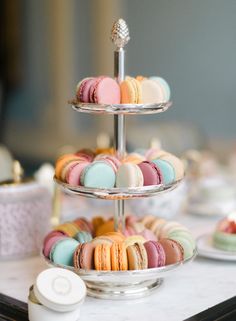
x=120 y=37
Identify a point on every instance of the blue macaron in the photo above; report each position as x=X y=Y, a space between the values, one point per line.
x=83 y=237
x=98 y=175
x=167 y=170
x=63 y=251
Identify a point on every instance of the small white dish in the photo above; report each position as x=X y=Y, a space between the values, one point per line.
x=206 y=249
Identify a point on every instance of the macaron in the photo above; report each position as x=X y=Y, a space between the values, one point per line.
x=186 y=243
x=176 y=163
x=131 y=240
x=173 y=250
x=62 y=251
x=83 y=237
x=83 y=257
x=151 y=173
x=86 y=154
x=115 y=236
x=68 y=228
x=134 y=158
x=102 y=257
x=148 y=235
x=152 y=92
x=98 y=175
x=129 y=175
x=83 y=89
x=52 y=234
x=84 y=225
x=73 y=175
x=155 y=253
x=104 y=228
x=105 y=91
x=50 y=242
x=167 y=171
x=155 y=153
x=62 y=162
x=97 y=221
x=110 y=160
x=119 y=261
x=130 y=91
x=163 y=83
x=137 y=257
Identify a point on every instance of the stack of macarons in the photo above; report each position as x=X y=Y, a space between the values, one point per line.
x=86 y=168
x=95 y=245
x=98 y=90
x=139 y=90
x=224 y=236
x=142 y=90
x=171 y=230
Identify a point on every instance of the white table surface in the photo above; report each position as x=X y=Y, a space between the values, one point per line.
x=191 y=289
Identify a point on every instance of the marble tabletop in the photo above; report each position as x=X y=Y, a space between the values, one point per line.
x=189 y=290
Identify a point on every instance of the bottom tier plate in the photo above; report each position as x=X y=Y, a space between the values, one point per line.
x=120 y=285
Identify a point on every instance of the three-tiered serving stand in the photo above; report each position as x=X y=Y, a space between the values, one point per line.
x=121 y=284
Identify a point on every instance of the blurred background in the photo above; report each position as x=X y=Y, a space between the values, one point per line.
x=46 y=47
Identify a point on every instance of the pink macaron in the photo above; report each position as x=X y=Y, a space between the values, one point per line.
x=109 y=159
x=155 y=253
x=151 y=173
x=83 y=89
x=52 y=234
x=74 y=173
x=105 y=91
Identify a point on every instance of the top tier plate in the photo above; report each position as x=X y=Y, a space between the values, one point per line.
x=120 y=109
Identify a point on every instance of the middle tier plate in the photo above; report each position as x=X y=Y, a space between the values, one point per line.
x=117 y=193
x=120 y=109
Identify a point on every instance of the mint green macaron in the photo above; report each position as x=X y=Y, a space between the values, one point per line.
x=63 y=251
x=224 y=241
x=167 y=170
x=98 y=175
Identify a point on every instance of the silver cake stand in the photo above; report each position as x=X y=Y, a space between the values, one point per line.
x=123 y=284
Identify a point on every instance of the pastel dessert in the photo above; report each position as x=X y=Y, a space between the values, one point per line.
x=131 y=240
x=152 y=92
x=151 y=173
x=83 y=89
x=74 y=171
x=83 y=237
x=155 y=253
x=50 y=243
x=130 y=91
x=176 y=163
x=137 y=257
x=62 y=162
x=98 y=175
x=85 y=154
x=164 y=85
x=68 y=228
x=173 y=250
x=83 y=257
x=105 y=90
x=119 y=260
x=166 y=169
x=110 y=160
x=63 y=250
x=129 y=175
x=224 y=236
x=84 y=225
x=102 y=257
x=133 y=158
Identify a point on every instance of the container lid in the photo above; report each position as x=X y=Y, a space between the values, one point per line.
x=59 y=289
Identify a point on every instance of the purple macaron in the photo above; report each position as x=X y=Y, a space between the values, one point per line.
x=151 y=173
x=155 y=253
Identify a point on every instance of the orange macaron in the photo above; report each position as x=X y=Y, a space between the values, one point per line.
x=102 y=257
x=119 y=261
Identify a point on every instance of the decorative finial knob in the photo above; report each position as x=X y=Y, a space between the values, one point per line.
x=120 y=33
